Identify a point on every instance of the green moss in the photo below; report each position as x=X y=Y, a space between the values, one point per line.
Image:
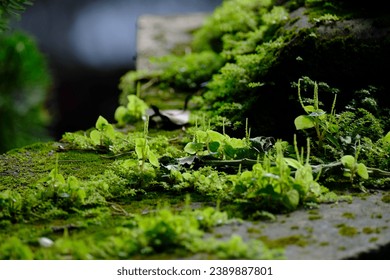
x=373 y=239
x=25 y=166
x=297 y=240
x=324 y=244
x=349 y=215
x=315 y=217
x=348 y=231
x=376 y=216
x=386 y=198
x=370 y=230
x=254 y=230
x=309 y=230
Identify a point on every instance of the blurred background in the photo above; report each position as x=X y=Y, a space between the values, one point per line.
x=88 y=45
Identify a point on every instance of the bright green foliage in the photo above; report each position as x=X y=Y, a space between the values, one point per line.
x=274 y=187
x=13 y=248
x=104 y=134
x=219 y=145
x=188 y=72
x=133 y=112
x=166 y=231
x=353 y=168
x=325 y=125
x=205 y=181
x=10 y=205
x=126 y=173
x=236 y=248
x=243 y=18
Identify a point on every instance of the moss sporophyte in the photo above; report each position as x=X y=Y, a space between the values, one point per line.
x=131 y=190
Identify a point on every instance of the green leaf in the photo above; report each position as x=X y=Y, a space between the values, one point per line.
x=153 y=159
x=73 y=182
x=293 y=163
x=109 y=131
x=348 y=161
x=292 y=199
x=141 y=148
x=136 y=106
x=229 y=151
x=215 y=136
x=201 y=136
x=304 y=175
x=303 y=122
x=386 y=139
x=347 y=174
x=362 y=171
x=309 y=109
x=101 y=123
x=193 y=147
x=120 y=115
x=213 y=146
x=95 y=136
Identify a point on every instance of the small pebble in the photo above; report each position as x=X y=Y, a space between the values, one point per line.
x=45 y=242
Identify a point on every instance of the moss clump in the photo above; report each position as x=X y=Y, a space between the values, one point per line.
x=297 y=240
x=315 y=217
x=348 y=231
x=386 y=198
x=349 y=215
x=370 y=230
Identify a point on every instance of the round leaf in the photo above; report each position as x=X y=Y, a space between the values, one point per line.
x=193 y=147
x=101 y=123
x=303 y=122
x=348 y=161
x=362 y=171
x=213 y=146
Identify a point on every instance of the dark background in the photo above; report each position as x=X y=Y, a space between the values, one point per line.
x=89 y=45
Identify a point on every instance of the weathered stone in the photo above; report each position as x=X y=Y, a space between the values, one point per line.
x=349 y=55
x=357 y=230
x=163 y=35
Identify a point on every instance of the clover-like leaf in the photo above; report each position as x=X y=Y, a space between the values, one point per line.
x=348 y=161
x=101 y=123
x=213 y=146
x=95 y=136
x=303 y=122
x=193 y=147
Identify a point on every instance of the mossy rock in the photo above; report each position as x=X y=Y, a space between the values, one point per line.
x=338 y=43
x=347 y=54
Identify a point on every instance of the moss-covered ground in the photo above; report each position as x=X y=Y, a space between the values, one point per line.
x=213 y=185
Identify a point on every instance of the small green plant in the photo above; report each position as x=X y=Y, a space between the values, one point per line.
x=143 y=150
x=11 y=204
x=134 y=111
x=325 y=125
x=104 y=134
x=272 y=186
x=353 y=168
